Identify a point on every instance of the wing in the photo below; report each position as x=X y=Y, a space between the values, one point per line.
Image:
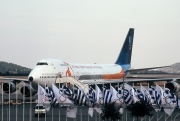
x=14 y=80
x=172 y=83
x=10 y=86
x=127 y=80
x=153 y=76
x=141 y=69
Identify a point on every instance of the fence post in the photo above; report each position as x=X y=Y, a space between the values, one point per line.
x=23 y=100
x=175 y=117
x=2 y=101
x=16 y=103
x=9 y=103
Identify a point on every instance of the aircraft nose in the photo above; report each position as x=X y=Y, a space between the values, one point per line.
x=31 y=78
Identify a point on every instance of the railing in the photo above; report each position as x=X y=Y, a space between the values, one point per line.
x=23 y=111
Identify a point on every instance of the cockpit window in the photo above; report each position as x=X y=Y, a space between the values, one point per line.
x=42 y=63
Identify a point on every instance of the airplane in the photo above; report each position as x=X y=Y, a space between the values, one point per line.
x=48 y=70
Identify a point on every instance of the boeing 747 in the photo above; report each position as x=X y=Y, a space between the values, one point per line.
x=48 y=70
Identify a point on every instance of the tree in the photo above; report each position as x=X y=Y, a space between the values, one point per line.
x=140 y=109
x=110 y=112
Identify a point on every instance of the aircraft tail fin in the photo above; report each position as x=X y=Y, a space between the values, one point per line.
x=124 y=58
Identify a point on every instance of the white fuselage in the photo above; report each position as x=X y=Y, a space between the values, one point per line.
x=48 y=70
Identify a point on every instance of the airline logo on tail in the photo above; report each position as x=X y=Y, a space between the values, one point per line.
x=130 y=43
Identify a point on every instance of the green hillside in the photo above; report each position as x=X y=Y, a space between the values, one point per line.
x=10 y=68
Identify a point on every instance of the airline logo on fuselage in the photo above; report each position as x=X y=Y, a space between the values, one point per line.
x=64 y=64
x=87 y=67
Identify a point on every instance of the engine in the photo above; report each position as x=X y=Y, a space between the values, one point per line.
x=173 y=86
x=28 y=90
x=9 y=87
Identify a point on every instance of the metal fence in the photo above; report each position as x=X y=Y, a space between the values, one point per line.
x=15 y=108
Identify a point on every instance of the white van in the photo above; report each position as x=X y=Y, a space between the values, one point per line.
x=39 y=110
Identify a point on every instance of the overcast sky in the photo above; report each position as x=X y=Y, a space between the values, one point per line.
x=89 y=31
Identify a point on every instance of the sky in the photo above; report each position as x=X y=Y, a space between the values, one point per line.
x=89 y=31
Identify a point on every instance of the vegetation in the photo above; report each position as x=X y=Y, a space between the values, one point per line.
x=10 y=68
x=140 y=109
x=110 y=112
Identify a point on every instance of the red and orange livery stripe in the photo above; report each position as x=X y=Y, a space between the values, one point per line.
x=114 y=76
